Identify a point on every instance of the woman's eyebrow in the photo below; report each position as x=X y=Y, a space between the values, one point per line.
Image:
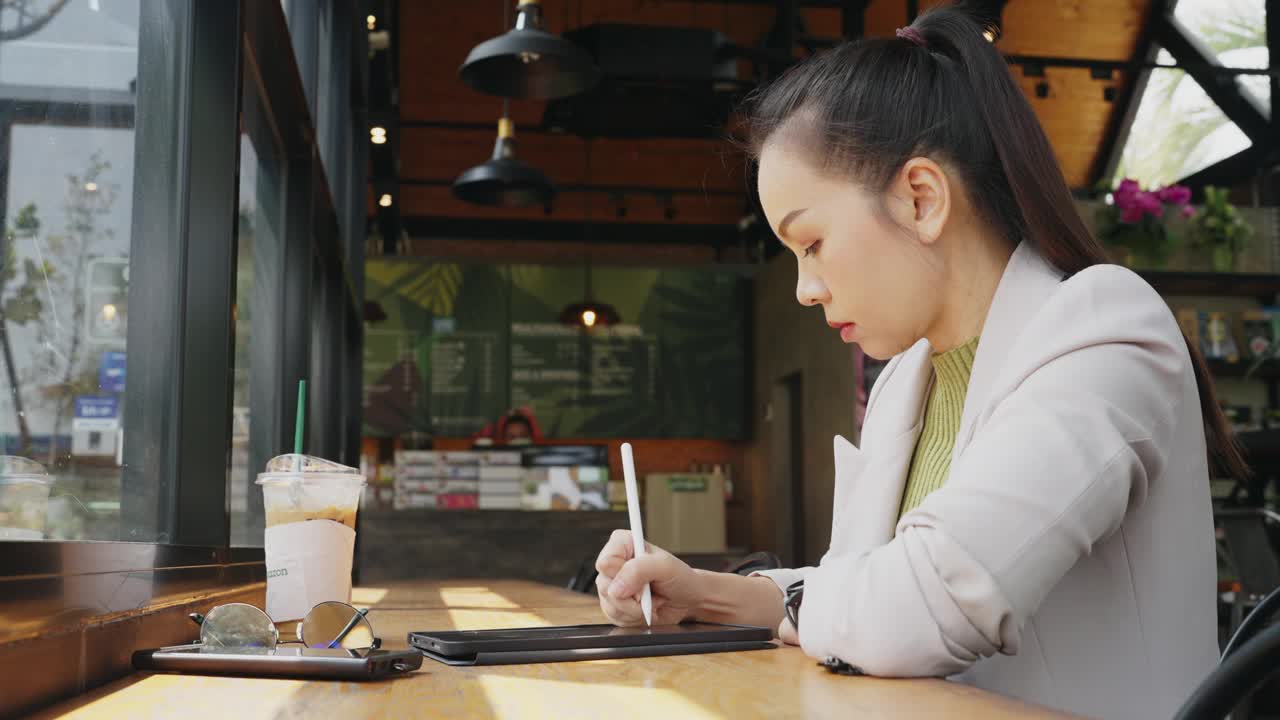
x=786 y=220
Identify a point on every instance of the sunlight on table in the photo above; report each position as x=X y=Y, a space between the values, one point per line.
x=533 y=697
x=367 y=595
x=158 y=695
x=472 y=619
x=475 y=597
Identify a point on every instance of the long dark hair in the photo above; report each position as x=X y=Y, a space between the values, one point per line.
x=940 y=89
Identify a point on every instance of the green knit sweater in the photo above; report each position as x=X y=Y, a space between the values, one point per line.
x=932 y=460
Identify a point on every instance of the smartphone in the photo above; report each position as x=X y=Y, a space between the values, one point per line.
x=282 y=661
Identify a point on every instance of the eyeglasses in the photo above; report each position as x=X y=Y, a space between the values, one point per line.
x=328 y=625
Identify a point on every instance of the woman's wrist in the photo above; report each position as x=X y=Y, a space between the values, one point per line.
x=734 y=599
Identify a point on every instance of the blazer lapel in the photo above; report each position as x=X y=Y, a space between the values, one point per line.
x=1026 y=284
x=869 y=480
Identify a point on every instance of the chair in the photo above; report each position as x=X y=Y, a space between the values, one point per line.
x=1236 y=679
x=1252 y=553
x=584 y=580
x=755 y=561
x=1253 y=622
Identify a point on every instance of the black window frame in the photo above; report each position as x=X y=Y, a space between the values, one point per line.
x=175 y=516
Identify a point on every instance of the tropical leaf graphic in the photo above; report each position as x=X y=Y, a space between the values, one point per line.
x=431 y=286
x=435 y=288
x=527 y=276
x=702 y=376
x=387 y=274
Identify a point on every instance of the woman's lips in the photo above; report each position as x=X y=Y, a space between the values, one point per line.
x=846 y=330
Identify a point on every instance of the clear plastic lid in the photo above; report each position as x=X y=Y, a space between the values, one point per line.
x=19 y=469
x=291 y=467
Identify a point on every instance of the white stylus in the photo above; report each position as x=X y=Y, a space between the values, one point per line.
x=637 y=529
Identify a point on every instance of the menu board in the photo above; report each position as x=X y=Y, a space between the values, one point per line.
x=465 y=370
x=463 y=344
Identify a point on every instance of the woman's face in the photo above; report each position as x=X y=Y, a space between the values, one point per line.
x=871 y=275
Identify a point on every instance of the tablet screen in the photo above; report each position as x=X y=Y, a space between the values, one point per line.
x=578 y=631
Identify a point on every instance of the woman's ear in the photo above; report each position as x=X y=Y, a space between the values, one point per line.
x=925 y=183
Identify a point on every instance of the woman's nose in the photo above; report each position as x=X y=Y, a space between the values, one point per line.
x=810 y=290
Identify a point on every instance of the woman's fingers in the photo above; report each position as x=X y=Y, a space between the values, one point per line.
x=617 y=551
x=619 y=611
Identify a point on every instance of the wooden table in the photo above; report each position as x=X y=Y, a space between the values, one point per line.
x=768 y=683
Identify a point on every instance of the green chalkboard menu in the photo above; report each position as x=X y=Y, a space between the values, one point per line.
x=464 y=343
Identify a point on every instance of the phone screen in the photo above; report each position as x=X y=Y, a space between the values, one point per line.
x=294 y=651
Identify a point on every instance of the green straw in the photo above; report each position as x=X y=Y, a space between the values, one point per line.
x=302 y=415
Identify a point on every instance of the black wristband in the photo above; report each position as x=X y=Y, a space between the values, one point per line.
x=794 y=596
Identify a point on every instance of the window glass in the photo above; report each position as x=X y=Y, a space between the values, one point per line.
x=67 y=79
x=255 y=318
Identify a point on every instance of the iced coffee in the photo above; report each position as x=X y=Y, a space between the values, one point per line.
x=311 y=506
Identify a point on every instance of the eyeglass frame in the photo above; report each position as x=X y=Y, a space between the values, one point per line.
x=199 y=618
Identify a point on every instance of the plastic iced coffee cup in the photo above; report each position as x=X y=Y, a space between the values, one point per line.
x=24 y=498
x=311 y=506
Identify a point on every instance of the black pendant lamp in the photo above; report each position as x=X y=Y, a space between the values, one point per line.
x=529 y=62
x=504 y=181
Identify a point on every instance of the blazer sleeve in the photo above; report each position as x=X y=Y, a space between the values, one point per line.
x=1084 y=424
x=783 y=577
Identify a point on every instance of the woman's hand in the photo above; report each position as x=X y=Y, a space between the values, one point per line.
x=787 y=633
x=677 y=590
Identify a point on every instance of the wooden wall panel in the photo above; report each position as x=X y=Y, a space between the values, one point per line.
x=436 y=36
x=699 y=209
x=444 y=153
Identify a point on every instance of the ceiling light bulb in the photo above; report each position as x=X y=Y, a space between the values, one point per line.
x=990 y=36
x=109 y=312
x=385 y=200
x=378 y=139
x=91 y=186
x=371 y=21
x=589 y=318
x=377 y=130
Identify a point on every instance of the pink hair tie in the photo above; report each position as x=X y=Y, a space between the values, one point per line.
x=912 y=35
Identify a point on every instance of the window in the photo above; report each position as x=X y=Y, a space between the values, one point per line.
x=256 y=317
x=1236 y=32
x=1178 y=130
x=67 y=80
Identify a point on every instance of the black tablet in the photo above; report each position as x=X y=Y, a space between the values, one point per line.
x=282 y=661
x=586 y=642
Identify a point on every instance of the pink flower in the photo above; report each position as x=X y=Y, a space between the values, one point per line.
x=1126 y=193
x=1150 y=203
x=1187 y=211
x=1130 y=214
x=1175 y=195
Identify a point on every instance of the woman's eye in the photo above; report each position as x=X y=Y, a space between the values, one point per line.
x=813 y=248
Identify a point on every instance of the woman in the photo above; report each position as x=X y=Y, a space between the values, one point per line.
x=1029 y=508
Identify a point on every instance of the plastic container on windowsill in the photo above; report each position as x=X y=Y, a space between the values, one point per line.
x=24 y=498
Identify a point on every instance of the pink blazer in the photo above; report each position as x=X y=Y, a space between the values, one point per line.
x=1069 y=558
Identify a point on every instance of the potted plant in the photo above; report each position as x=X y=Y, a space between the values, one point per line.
x=1220 y=230
x=1141 y=224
